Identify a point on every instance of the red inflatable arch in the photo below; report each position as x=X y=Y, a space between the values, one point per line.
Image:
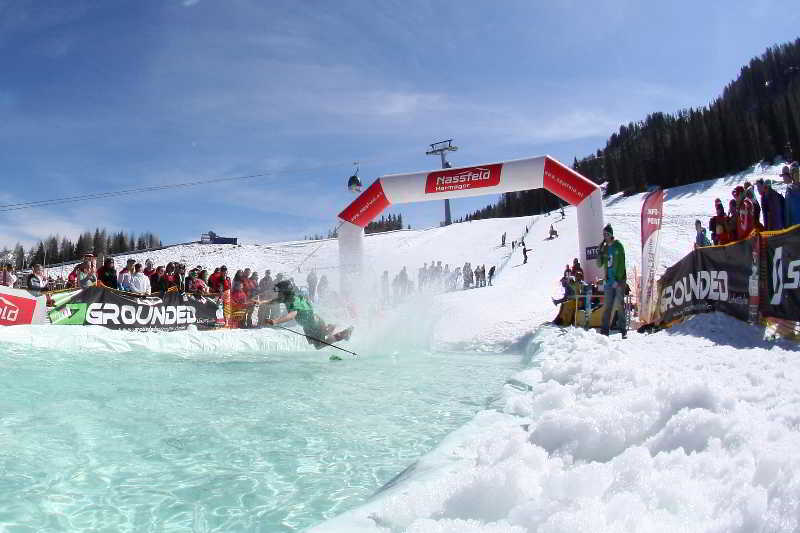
x=492 y=178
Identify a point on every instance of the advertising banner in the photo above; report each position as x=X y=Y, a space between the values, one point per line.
x=566 y=183
x=118 y=310
x=652 y=210
x=783 y=275
x=708 y=279
x=366 y=206
x=463 y=178
x=21 y=307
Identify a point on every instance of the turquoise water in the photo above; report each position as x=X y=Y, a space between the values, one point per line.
x=166 y=442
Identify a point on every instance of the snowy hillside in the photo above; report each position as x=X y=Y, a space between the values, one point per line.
x=692 y=429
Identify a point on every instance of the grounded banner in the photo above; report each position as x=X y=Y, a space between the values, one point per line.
x=19 y=306
x=708 y=279
x=783 y=275
x=652 y=209
x=116 y=310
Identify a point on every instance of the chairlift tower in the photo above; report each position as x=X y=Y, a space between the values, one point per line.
x=441 y=148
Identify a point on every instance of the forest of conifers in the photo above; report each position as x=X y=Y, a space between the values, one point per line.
x=757 y=118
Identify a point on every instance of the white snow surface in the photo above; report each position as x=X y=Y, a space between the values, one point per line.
x=692 y=429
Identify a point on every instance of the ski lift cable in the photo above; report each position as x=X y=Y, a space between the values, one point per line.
x=153 y=188
x=317 y=248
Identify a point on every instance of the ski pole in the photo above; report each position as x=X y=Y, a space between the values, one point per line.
x=314 y=339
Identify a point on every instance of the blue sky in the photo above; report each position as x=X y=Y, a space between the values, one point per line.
x=109 y=95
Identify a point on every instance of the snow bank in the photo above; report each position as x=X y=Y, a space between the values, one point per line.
x=648 y=434
x=97 y=339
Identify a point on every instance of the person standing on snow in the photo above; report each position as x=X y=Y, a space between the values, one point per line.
x=266 y=284
x=718 y=224
x=140 y=283
x=524 y=251
x=36 y=281
x=745 y=214
x=700 y=238
x=312 y=285
x=126 y=275
x=7 y=277
x=612 y=260
x=149 y=270
x=107 y=274
x=322 y=288
x=791 y=177
x=771 y=205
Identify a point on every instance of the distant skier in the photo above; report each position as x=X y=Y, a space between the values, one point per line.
x=524 y=251
x=300 y=309
x=312 y=285
x=491 y=275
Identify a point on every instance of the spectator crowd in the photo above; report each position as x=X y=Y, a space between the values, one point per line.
x=757 y=207
x=434 y=278
x=244 y=291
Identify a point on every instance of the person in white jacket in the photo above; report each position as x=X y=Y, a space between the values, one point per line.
x=125 y=276
x=139 y=282
x=36 y=281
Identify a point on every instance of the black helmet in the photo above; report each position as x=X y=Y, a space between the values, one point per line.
x=285 y=288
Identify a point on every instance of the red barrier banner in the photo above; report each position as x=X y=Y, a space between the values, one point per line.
x=19 y=307
x=367 y=206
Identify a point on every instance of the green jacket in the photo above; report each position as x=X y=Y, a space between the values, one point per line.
x=613 y=257
x=305 y=313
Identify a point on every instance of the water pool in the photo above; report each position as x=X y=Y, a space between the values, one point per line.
x=246 y=442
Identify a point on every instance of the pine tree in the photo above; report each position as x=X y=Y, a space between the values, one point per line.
x=66 y=250
x=51 y=254
x=100 y=242
x=19 y=257
x=38 y=256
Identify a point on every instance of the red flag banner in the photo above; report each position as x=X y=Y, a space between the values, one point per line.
x=652 y=209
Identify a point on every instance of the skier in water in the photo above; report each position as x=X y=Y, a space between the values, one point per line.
x=300 y=309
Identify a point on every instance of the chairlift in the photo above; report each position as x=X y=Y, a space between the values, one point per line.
x=354 y=183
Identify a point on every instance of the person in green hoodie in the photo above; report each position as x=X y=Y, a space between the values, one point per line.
x=612 y=260
x=301 y=310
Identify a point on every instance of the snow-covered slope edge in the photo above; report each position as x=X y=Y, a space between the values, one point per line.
x=692 y=429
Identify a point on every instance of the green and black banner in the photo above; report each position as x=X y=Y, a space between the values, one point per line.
x=783 y=275
x=714 y=278
x=118 y=310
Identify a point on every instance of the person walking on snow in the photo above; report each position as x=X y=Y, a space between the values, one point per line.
x=312 y=285
x=524 y=251
x=301 y=310
x=612 y=260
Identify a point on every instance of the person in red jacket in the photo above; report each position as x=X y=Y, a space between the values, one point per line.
x=718 y=225
x=149 y=270
x=219 y=282
x=241 y=302
x=72 y=279
x=745 y=214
